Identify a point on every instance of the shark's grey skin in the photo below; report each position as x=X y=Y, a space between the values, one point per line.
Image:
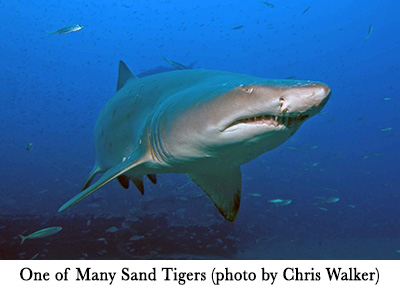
x=201 y=122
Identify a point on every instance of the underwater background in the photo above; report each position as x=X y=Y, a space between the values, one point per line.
x=341 y=169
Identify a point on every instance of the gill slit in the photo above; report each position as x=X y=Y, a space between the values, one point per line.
x=159 y=151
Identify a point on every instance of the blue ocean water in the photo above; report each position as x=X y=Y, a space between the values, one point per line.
x=54 y=86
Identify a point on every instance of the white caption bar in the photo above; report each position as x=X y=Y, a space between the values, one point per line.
x=195 y=274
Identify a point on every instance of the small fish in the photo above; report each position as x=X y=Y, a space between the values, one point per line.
x=292 y=148
x=398 y=251
x=29 y=147
x=308 y=166
x=256 y=194
x=314 y=147
x=369 y=32
x=305 y=10
x=275 y=200
x=135 y=238
x=68 y=29
x=103 y=240
x=285 y=202
x=386 y=129
x=280 y=202
x=112 y=230
x=41 y=233
x=331 y=200
x=291 y=78
x=268 y=4
x=387 y=99
x=323 y=208
x=33 y=258
x=238 y=27
x=375 y=154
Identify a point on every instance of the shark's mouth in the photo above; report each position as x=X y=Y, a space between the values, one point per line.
x=269 y=120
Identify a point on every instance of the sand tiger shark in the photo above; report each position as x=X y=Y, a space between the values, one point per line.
x=204 y=123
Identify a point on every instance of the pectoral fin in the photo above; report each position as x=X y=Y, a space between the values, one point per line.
x=224 y=188
x=109 y=175
x=92 y=174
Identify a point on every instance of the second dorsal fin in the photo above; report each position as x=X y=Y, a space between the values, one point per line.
x=124 y=74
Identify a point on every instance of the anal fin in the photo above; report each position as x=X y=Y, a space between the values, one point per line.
x=138 y=181
x=152 y=178
x=124 y=181
x=223 y=188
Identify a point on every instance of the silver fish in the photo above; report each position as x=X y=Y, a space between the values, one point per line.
x=305 y=10
x=29 y=147
x=41 y=233
x=280 y=202
x=268 y=4
x=68 y=29
x=369 y=32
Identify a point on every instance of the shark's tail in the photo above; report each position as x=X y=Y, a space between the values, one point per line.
x=191 y=65
x=23 y=238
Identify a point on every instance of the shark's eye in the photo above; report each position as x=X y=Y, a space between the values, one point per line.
x=248 y=90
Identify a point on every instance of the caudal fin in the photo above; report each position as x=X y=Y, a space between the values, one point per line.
x=191 y=65
x=22 y=239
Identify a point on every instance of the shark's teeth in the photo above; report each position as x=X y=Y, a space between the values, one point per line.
x=270 y=120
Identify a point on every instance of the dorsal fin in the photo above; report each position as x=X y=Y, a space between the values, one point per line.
x=124 y=74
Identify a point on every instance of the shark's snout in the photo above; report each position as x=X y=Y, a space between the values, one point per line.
x=307 y=100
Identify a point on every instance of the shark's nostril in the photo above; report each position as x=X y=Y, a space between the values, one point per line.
x=281 y=101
